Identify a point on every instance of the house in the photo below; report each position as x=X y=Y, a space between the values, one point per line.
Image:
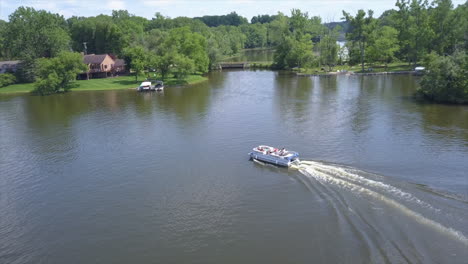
x=9 y=66
x=102 y=66
x=119 y=67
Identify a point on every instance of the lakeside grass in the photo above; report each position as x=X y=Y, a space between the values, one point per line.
x=111 y=83
x=391 y=67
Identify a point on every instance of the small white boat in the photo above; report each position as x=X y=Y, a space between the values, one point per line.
x=281 y=157
x=148 y=86
x=145 y=86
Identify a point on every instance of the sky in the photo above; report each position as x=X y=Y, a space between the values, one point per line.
x=328 y=10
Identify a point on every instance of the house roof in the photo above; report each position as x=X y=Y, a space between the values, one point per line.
x=119 y=62
x=8 y=63
x=94 y=59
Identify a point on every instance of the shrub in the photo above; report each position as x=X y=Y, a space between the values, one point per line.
x=7 y=79
x=445 y=80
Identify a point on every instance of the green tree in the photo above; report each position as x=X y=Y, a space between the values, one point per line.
x=32 y=34
x=165 y=61
x=445 y=80
x=101 y=34
x=192 y=45
x=232 y=19
x=7 y=79
x=262 y=19
x=3 y=50
x=256 y=35
x=385 y=45
x=294 y=53
x=277 y=29
x=413 y=25
x=57 y=74
x=328 y=48
x=295 y=46
x=183 y=66
x=360 y=29
x=136 y=59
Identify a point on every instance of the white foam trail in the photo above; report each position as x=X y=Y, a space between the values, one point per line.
x=316 y=173
x=343 y=173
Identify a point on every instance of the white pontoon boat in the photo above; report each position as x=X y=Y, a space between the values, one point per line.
x=281 y=157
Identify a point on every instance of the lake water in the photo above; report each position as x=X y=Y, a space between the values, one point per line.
x=126 y=177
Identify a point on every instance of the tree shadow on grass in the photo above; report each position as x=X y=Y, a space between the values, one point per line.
x=124 y=82
x=176 y=82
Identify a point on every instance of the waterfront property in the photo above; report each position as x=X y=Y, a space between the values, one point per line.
x=102 y=66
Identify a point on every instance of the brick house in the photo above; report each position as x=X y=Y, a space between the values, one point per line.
x=102 y=66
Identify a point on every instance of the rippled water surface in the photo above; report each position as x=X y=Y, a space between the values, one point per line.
x=122 y=177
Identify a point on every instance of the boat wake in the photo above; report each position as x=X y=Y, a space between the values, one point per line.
x=334 y=179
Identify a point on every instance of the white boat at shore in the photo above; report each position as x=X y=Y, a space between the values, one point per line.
x=147 y=86
x=281 y=157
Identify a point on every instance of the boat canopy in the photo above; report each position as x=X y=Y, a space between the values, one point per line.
x=145 y=84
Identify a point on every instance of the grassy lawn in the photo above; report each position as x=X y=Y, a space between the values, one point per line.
x=18 y=88
x=115 y=83
x=392 y=67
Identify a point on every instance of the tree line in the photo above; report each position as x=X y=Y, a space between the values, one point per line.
x=412 y=32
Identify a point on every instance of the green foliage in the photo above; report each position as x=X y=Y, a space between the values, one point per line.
x=101 y=35
x=25 y=72
x=413 y=25
x=445 y=80
x=361 y=28
x=32 y=34
x=7 y=79
x=3 y=28
x=277 y=29
x=295 y=45
x=232 y=19
x=181 y=52
x=136 y=59
x=294 y=53
x=256 y=35
x=57 y=74
x=384 y=46
x=262 y=19
x=328 y=48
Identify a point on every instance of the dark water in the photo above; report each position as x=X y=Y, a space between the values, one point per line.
x=122 y=177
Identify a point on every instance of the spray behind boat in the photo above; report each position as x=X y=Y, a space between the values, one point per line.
x=357 y=182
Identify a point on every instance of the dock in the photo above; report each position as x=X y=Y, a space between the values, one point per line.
x=234 y=65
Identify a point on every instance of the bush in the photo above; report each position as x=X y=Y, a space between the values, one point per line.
x=445 y=80
x=57 y=74
x=7 y=79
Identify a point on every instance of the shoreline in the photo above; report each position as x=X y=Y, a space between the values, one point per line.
x=102 y=84
x=355 y=73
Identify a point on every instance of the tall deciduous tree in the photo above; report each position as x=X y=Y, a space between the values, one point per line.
x=384 y=46
x=360 y=29
x=101 y=35
x=32 y=34
x=3 y=28
x=294 y=53
x=136 y=59
x=328 y=47
x=415 y=33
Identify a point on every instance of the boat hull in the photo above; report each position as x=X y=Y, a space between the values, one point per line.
x=270 y=159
